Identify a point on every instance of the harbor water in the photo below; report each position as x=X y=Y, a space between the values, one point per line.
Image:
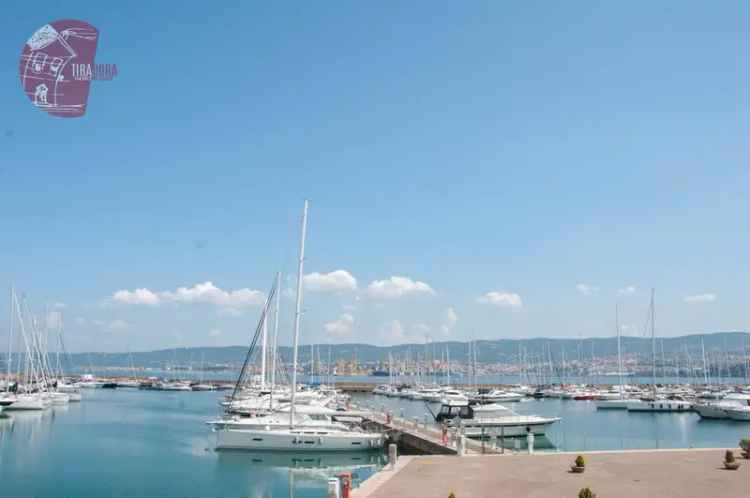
x=127 y=443
x=582 y=427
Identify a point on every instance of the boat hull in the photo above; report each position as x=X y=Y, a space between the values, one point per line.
x=660 y=406
x=28 y=402
x=297 y=441
x=510 y=429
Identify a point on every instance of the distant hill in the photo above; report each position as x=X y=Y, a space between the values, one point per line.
x=499 y=350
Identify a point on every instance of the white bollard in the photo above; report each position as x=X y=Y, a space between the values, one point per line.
x=530 y=442
x=392 y=455
x=461 y=445
x=516 y=444
x=334 y=487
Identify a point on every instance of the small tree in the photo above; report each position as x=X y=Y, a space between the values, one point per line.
x=580 y=461
x=452 y=495
x=586 y=493
x=729 y=456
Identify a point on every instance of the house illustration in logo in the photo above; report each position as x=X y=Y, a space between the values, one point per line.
x=47 y=66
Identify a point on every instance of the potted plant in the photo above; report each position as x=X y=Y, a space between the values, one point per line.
x=579 y=465
x=729 y=462
x=586 y=493
x=745 y=445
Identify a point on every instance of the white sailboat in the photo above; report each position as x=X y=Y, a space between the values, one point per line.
x=657 y=403
x=619 y=401
x=299 y=434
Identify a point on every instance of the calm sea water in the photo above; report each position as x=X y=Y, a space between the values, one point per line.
x=583 y=427
x=128 y=443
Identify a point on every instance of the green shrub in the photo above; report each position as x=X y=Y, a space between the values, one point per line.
x=729 y=456
x=580 y=462
x=745 y=444
x=452 y=495
x=586 y=493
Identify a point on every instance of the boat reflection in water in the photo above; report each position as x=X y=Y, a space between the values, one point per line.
x=305 y=474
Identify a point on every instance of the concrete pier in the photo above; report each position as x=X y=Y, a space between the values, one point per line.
x=690 y=473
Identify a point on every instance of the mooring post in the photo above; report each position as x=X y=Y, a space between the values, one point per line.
x=334 y=487
x=530 y=441
x=392 y=455
x=461 y=446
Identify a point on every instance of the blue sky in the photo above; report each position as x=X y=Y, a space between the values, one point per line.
x=559 y=156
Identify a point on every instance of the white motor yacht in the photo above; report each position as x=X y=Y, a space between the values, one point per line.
x=715 y=410
x=739 y=413
x=491 y=420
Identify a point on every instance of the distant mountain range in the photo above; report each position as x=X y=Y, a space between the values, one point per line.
x=488 y=351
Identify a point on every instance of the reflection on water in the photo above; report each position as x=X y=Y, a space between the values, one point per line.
x=304 y=473
x=128 y=443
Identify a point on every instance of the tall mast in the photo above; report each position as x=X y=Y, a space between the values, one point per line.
x=705 y=367
x=448 y=359
x=10 y=337
x=619 y=346
x=653 y=343
x=264 y=350
x=298 y=311
x=275 y=347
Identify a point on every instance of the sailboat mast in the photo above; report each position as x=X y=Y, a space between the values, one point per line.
x=619 y=346
x=298 y=311
x=653 y=343
x=10 y=338
x=264 y=350
x=275 y=347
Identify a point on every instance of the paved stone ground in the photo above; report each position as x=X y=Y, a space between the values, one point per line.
x=638 y=474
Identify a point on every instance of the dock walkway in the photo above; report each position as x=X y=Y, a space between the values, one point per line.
x=425 y=437
x=689 y=473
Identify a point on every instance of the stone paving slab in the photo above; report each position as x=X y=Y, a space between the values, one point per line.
x=689 y=473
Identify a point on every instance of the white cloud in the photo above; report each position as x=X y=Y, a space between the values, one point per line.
x=214 y=333
x=501 y=299
x=334 y=282
x=587 y=289
x=396 y=287
x=205 y=292
x=630 y=289
x=450 y=318
x=340 y=328
x=700 y=298
x=138 y=297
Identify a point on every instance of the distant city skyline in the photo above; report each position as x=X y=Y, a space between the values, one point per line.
x=475 y=171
